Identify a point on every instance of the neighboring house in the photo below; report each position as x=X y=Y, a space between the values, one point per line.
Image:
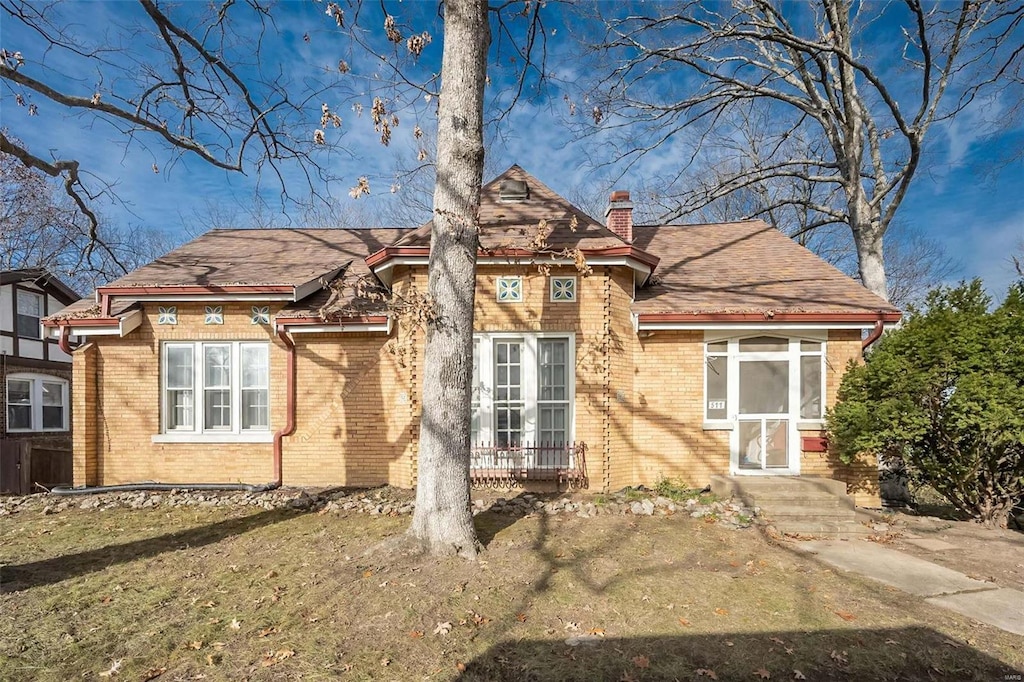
x=683 y=352
x=36 y=378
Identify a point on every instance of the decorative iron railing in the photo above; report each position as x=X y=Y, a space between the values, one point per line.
x=509 y=466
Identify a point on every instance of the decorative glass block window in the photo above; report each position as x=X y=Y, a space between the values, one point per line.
x=261 y=314
x=563 y=289
x=226 y=383
x=167 y=314
x=37 y=402
x=30 y=310
x=214 y=314
x=510 y=289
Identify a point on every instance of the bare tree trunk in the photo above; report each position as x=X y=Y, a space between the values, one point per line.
x=442 y=522
x=870 y=262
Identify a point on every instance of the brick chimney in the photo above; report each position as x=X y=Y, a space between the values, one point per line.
x=619 y=215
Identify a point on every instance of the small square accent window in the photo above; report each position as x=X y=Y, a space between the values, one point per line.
x=167 y=315
x=214 y=314
x=563 y=289
x=510 y=289
x=261 y=314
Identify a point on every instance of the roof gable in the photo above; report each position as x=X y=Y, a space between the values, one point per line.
x=510 y=224
x=42 y=278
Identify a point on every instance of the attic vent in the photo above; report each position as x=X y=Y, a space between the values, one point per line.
x=513 y=190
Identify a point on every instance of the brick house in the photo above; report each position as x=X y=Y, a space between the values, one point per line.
x=35 y=376
x=676 y=351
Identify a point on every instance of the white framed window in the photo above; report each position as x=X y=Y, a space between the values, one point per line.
x=215 y=391
x=762 y=388
x=563 y=289
x=510 y=289
x=523 y=389
x=36 y=402
x=29 y=312
x=764 y=374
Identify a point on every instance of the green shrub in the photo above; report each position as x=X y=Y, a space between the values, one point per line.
x=943 y=396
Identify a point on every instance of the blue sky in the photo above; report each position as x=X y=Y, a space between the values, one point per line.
x=974 y=209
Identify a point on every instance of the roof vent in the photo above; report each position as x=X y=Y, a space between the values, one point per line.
x=513 y=190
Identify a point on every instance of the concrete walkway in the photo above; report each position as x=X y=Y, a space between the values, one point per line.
x=982 y=601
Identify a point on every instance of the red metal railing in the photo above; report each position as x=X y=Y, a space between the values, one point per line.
x=510 y=466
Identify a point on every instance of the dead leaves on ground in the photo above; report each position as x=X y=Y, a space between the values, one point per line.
x=274 y=657
x=845 y=615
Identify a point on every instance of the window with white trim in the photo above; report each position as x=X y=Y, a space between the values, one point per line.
x=523 y=389
x=36 y=402
x=216 y=387
x=30 y=311
x=754 y=375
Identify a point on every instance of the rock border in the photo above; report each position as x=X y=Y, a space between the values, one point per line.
x=388 y=501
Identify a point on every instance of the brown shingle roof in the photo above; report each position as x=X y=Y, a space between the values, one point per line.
x=743 y=267
x=349 y=284
x=512 y=224
x=288 y=257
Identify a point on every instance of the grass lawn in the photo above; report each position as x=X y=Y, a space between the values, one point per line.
x=240 y=593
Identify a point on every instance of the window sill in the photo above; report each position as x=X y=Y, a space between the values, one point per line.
x=719 y=426
x=811 y=425
x=256 y=437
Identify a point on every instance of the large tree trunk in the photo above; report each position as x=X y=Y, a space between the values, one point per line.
x=870 y=261
x=442 y=521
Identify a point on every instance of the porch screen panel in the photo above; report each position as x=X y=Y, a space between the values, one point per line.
x=552 y=392
x=717 y=372
x=764 y=387
x=508 y=392
x=178 y=396
x=255 y=386
x=217 y=387
x=810 y=387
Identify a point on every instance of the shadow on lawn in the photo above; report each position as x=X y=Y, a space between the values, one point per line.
x=912 y=653
x=18 y=577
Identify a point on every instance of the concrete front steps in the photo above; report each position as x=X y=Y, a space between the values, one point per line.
x=797 y=505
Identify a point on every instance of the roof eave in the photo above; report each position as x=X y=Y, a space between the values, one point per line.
x=821 y=320
x=316 y=325
x=120 y=326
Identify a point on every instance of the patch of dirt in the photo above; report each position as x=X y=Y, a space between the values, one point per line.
x=228 y=593
x=991 y=554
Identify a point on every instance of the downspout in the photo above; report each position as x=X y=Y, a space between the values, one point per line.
x=289 y=426
x=64 y=343
x=874 y=335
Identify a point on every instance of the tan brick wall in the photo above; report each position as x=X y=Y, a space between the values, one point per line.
x=638 y=401
x=128 y=399
x=861 y=477
x=668 y=419
x=353 y=413
x=589 y=318
x=85 y=427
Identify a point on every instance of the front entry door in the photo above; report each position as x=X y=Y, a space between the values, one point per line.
x=764 y=437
